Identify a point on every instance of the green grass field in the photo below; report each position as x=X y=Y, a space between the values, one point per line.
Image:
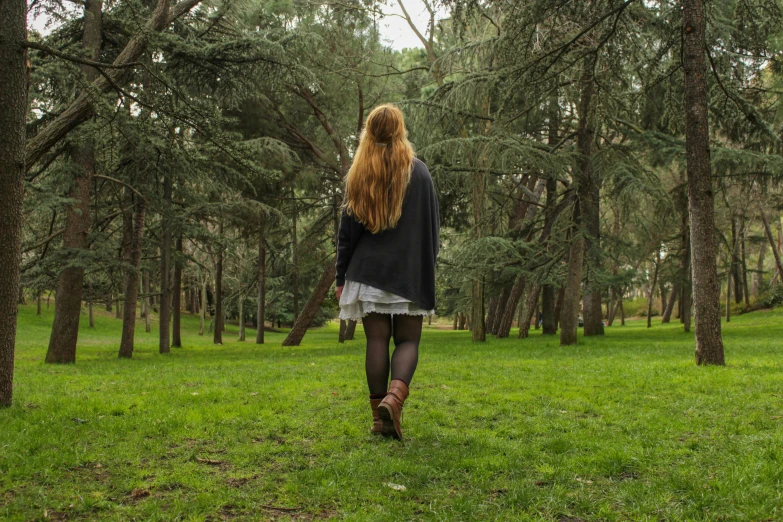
x=624 y=427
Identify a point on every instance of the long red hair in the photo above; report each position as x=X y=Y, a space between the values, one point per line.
x=381 y=170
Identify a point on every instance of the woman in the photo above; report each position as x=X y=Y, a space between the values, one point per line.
x=386 y=251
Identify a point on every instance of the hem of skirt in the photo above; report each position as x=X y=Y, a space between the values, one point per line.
x=347 y=317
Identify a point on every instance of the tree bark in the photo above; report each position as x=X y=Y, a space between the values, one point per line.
x=305 y=319
x=706 y=290
x=164 y=344
x=652 y=287
x=294 y=256
x=67 y=307
x=241 y=337
x=261 y=311
x=203 y=312
x=176 y=297
x=350 y=330
x=514 y=295
x=569 y=315
x=530 y=310
x=588 y=190
x=744 y=264
x=491 y=315
x=771 y=239
x=132 y=283
x=669 y=309
x=758 y=281
x=559 y=306
x=147 y=304
x=217 y=337
x=549 y=320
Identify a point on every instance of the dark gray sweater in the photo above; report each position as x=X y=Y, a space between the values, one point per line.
x=400 y=260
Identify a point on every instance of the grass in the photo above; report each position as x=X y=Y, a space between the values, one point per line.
x=624 y=427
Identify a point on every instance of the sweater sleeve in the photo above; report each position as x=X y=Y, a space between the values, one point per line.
x=347 y=237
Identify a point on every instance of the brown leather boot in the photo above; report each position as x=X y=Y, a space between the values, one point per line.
x=390 y=409
x=377 y=423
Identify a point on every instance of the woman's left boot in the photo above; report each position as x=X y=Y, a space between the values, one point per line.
x=377 y=423
x=390 y=409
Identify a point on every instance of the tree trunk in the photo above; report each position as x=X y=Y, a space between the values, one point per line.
x=758 y=281
x=165 y=268
x=132 y=282
x=241 y=318
x=305 y=319
x=343 y=328
x=492 y=315
x=350 y=330
x=736 y=264
x=203 y=312
x=176 y=296
x=217 y=337
x=652 y=287
x=771 y=239
x=261 y=311
x=706 y=290
x=92 y=317
x=569 y=315
x=68 y=306
x=477 y=311
x=667 y=311
x=147 y=302
x=530 y=310
x=549 y=320
x=456 y=318
x=728 y=294
x=507 y=318
x=294 y=256
x=588 y=190
x=559 y=306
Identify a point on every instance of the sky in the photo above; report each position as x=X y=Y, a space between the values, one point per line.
x=394 y=29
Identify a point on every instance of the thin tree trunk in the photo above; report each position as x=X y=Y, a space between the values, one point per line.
x=456 y=318
x=706 y=290
x=736 y=261
x=548 y=304
x=176 y=296
x=588 y=189
x=569 y=315
x=92 y=317
x=203 y=311
x=507 y=318
x=652 y=287
x=13 y=112
x=343 y=328
x=217 y=337
x=305 y=319
x=667 y=313
x=559 y=306
x=728 y=290
x=241 y=318
x=491 y=315
x=294 y=256
x=67 y=307
x=165 y=268
x=771 y=239
x=261 y=310
x=147 y=304
x=530 y=310
x=350 y=330
x=758 y=281
x=132 y=282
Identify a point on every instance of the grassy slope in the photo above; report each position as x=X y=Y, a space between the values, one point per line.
x=624 y=427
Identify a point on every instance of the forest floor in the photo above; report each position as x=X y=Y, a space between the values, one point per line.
x=624 y=427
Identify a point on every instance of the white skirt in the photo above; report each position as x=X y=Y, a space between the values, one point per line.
x=359 y=300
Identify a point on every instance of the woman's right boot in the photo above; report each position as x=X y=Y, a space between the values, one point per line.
x=390 y=409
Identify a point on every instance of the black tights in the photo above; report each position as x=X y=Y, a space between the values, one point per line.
x=407 y=334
